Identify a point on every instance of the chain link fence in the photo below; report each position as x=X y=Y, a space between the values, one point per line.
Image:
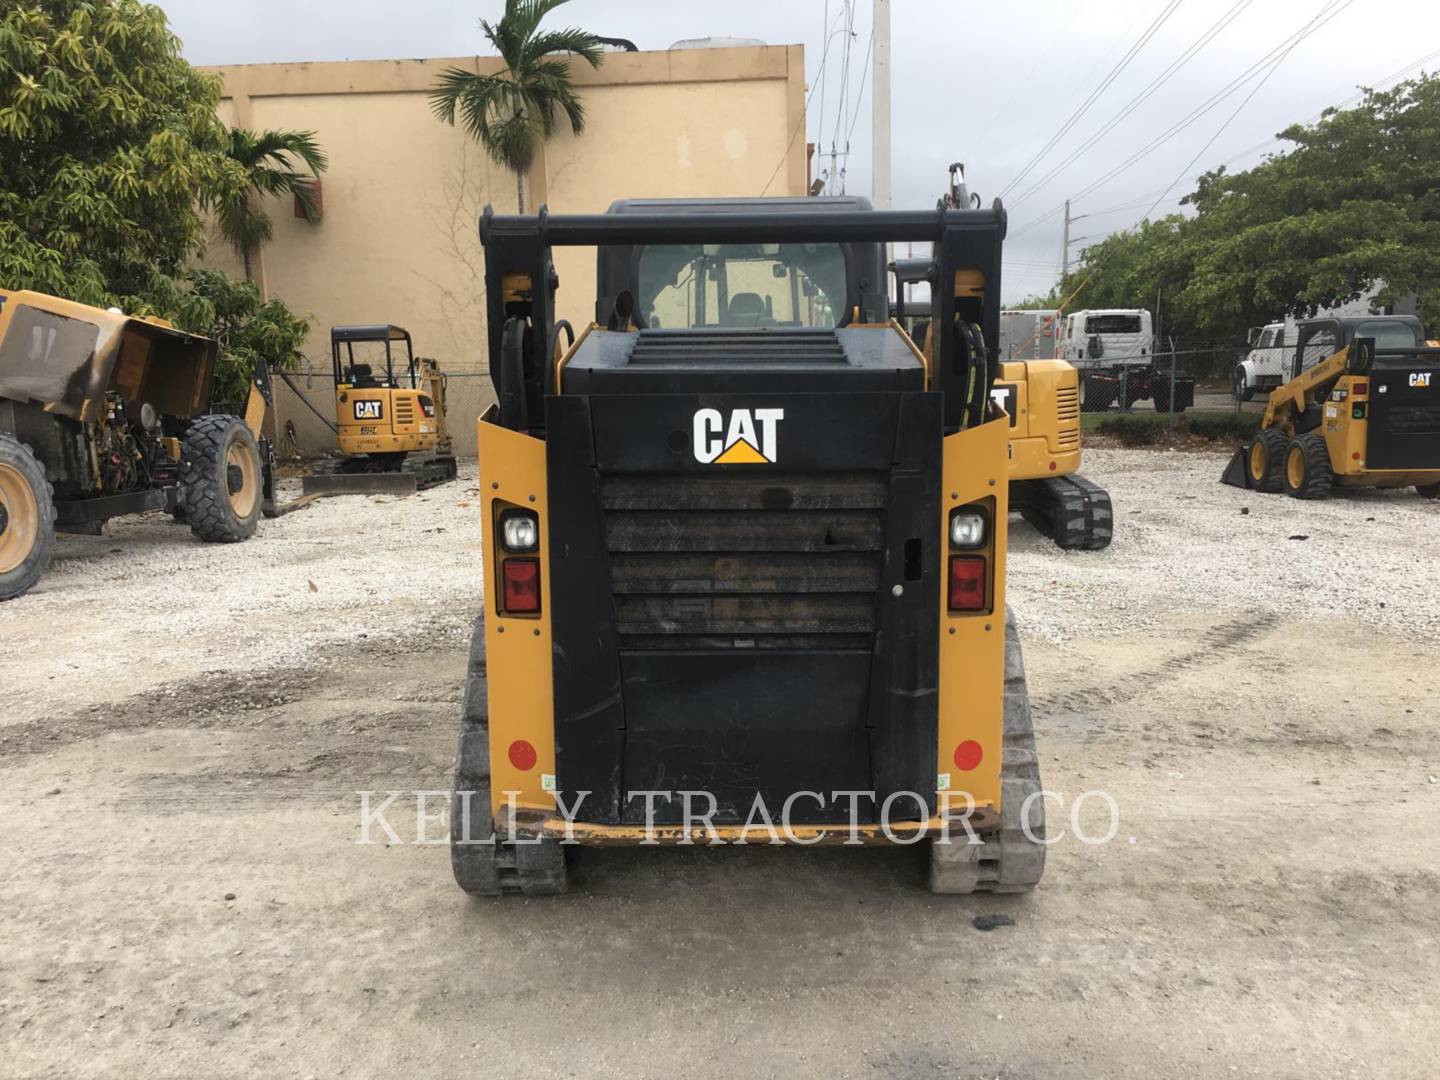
x=1183 y=378
x=305 y=410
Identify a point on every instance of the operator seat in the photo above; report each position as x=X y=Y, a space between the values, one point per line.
x=362 y=376
x=746 y=309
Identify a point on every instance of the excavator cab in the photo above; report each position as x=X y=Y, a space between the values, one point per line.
x=389 y=415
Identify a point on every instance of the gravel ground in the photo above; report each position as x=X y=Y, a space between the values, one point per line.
x=147 y=604
x=185 y=728
x=1186 y=543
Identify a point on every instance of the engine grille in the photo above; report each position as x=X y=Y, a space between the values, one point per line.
x=404 y=411
x=1414 y=420
x=1067 y=404
x=738 y=560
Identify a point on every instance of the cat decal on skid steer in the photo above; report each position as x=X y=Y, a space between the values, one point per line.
x=749 y=437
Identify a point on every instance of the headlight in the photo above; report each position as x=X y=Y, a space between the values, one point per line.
x=519 y=531
x=967 y=529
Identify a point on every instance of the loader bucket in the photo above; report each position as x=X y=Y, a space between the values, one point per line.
x=1237 y=473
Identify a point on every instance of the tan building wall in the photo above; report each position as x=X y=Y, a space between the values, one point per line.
x=403 y=196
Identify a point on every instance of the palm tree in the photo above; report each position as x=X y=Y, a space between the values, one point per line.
x=268 y=160
x=512 y=112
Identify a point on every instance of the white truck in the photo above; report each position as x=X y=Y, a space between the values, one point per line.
x=1028 y=334
x=1264 y=366
x=1114 y=351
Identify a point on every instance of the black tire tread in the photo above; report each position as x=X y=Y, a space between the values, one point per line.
x=206 y=504
x=1275 y=442
x=1319 y=478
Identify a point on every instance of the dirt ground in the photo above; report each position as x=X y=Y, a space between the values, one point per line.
x=184 y=730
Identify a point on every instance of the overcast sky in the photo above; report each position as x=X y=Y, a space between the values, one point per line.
x=981 y=82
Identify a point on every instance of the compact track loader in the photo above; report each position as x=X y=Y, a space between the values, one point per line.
x=390 y=423
x=1361 y=409
x=744 y=550
x=103 y=415
x=1042 y=400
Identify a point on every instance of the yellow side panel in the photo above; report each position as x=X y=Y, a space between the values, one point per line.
x=517 y=649
x=1045 y=438
x=972 y=646
x=400 y=426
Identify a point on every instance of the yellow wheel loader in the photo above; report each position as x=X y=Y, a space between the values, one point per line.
x=1042 y=400
x=1361 y=409
x=389 y=415
x=744 y=550
x=101 y=415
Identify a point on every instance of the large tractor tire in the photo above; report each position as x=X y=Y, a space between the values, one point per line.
x=1307 y=467
x=483 y=864
x=27 y=518
x=1011 y=857
x=221 y=479
x=1265 y=460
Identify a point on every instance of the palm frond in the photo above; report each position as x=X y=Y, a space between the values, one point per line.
x=580 y=42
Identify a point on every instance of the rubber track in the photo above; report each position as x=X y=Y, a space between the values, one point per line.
x=204 y=446
x=1006 y=860
x=1071 y=510
x=497 y=868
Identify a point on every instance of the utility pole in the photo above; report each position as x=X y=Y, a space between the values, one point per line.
x=1065 y=245
x=1066 y=239
x=880 y=106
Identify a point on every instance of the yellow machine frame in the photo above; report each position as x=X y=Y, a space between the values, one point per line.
x=521 y=706
x=1346 y=434
x=388 y=418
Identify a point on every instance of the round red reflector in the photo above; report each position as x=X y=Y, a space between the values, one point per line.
x=522 y=755
x=1052 y=466
x=968 y=755
x=1355 y=455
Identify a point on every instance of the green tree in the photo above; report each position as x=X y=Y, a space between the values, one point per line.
x=1353 y=207
x=512 y=112
x=244 y=325
x=108 y=141
x=268 y=161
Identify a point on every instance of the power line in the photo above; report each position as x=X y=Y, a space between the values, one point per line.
x=1019 y=84
x=1188 y=54
x=1144 y=199
x=804 y=113
x=1084 y=106
x=865 y=71
x=1241 y=107
x=1214 y=100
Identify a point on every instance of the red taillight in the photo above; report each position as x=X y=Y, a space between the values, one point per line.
x=1360 y=389
x=967 y=583
x=522 y=586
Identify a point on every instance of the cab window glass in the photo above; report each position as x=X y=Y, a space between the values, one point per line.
x=741 y=286
x=1388 y=335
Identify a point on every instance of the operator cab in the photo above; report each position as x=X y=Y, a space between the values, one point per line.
x=364 y=357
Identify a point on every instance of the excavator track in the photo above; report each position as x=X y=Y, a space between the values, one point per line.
x=1010 y=858
x=1071 y=510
